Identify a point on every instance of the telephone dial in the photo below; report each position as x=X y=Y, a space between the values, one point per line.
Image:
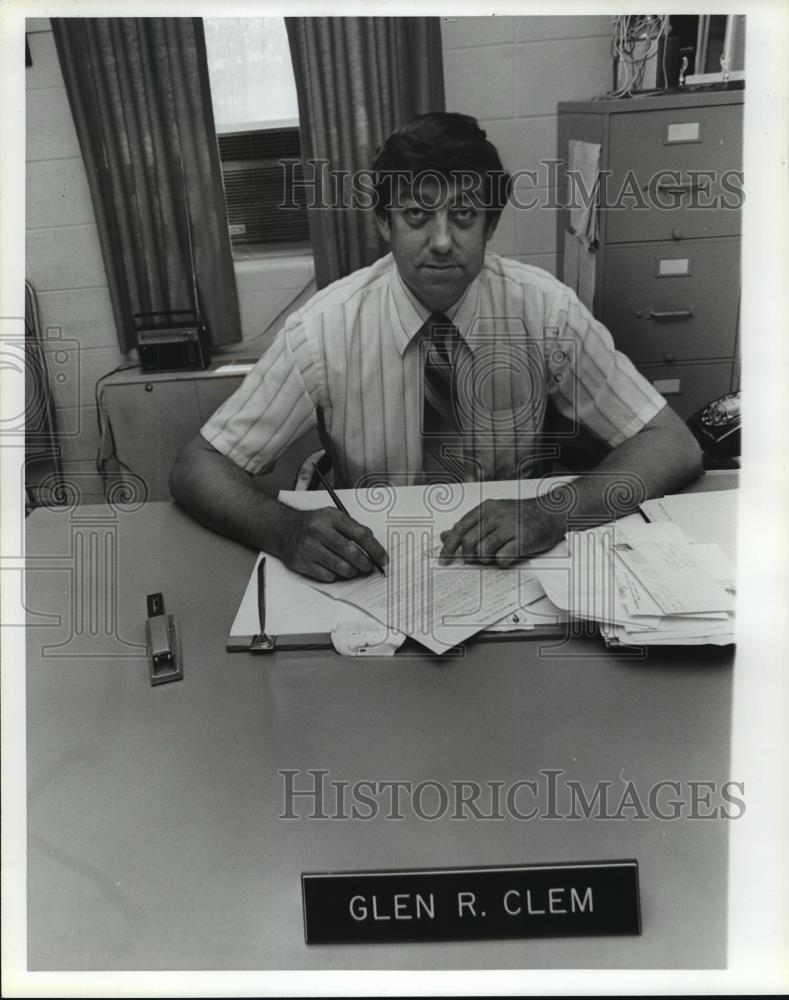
x=716 y=427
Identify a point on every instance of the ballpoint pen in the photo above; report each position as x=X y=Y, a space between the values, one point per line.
x=341 y=506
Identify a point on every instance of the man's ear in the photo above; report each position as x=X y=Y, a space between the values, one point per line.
x=383 y=226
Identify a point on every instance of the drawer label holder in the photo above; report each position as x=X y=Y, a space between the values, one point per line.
x=672 y=267
x=680 y=132
x=584 y=899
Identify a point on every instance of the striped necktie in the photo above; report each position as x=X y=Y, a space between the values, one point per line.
x=441 y=339
x=442 y=454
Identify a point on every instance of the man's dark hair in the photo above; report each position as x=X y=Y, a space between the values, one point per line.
x=447 y=144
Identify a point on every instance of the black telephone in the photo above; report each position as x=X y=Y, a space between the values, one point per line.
x=716 y=427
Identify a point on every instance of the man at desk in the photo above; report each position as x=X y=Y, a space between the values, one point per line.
x=438 y=361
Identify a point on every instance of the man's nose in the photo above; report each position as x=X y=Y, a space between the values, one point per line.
x=440 y=234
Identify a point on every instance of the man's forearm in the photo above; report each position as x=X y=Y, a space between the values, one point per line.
x=223 y=497
x=324 y=544
x=656 y=461
x=660 y=459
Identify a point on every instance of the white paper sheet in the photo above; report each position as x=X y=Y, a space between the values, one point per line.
x=580 y=578
x=538 y=614
x=235 y=368
x=572 y=251
x=674 y=578
x=587 y=275
x=580 y=268
x=439 y=606
x=704 y=517
x=584 y=162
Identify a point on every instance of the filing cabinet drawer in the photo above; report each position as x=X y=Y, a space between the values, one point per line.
x=665 y=303
x=651 y=153
x=689 y=387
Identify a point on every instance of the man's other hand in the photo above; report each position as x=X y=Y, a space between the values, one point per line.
x=320 y=544
x=500 y=532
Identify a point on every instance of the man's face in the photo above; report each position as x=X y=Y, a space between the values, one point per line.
x=437 y=235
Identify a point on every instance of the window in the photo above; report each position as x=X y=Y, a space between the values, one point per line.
x=256 y=115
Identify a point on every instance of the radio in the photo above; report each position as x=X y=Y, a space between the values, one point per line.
x=174 y=340
x=179 y=342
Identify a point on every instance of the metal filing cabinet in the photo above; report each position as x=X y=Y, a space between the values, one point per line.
x=667 y=265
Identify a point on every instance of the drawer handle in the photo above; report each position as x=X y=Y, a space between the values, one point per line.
x=671 y=315
x=679 y=188
x=675 y=187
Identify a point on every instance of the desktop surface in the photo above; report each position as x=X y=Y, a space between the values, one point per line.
x=153 y=833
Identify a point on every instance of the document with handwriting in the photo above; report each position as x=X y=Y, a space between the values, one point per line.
x=439 y=606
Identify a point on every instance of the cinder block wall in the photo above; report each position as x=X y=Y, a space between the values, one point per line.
x=510 y=73
x=64 y=262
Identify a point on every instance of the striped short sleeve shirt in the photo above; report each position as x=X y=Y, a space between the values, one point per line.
x=356 y=353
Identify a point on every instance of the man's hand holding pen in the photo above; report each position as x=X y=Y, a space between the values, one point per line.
x=327 y=544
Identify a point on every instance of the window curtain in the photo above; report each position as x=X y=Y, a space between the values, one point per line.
x=140 y=96
x=357 y=80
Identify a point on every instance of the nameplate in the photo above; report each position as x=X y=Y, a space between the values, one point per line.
x=464 y=904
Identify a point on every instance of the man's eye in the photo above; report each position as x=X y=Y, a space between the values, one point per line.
x=464 y=214
x=415 y=214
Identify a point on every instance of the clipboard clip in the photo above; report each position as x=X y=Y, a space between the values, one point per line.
x=265 y=643
x=262 y=642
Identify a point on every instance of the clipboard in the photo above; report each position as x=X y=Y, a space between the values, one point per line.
x=286 y=596
x=297 y=616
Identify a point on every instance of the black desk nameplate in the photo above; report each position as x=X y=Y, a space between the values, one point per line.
x=465 y=904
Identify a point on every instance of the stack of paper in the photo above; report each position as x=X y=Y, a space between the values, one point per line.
x=645 y=584
x=704 y=517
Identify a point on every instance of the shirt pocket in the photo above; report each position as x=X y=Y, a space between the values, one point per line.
x=503 y=384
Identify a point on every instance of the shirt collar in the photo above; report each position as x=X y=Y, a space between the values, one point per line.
x=408 y=314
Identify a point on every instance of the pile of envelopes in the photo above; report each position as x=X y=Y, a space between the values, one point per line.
x=644 y=583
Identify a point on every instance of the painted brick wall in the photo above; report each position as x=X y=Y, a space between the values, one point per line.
x=510 y=73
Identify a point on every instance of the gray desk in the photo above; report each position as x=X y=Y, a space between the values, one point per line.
x=154 y=841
